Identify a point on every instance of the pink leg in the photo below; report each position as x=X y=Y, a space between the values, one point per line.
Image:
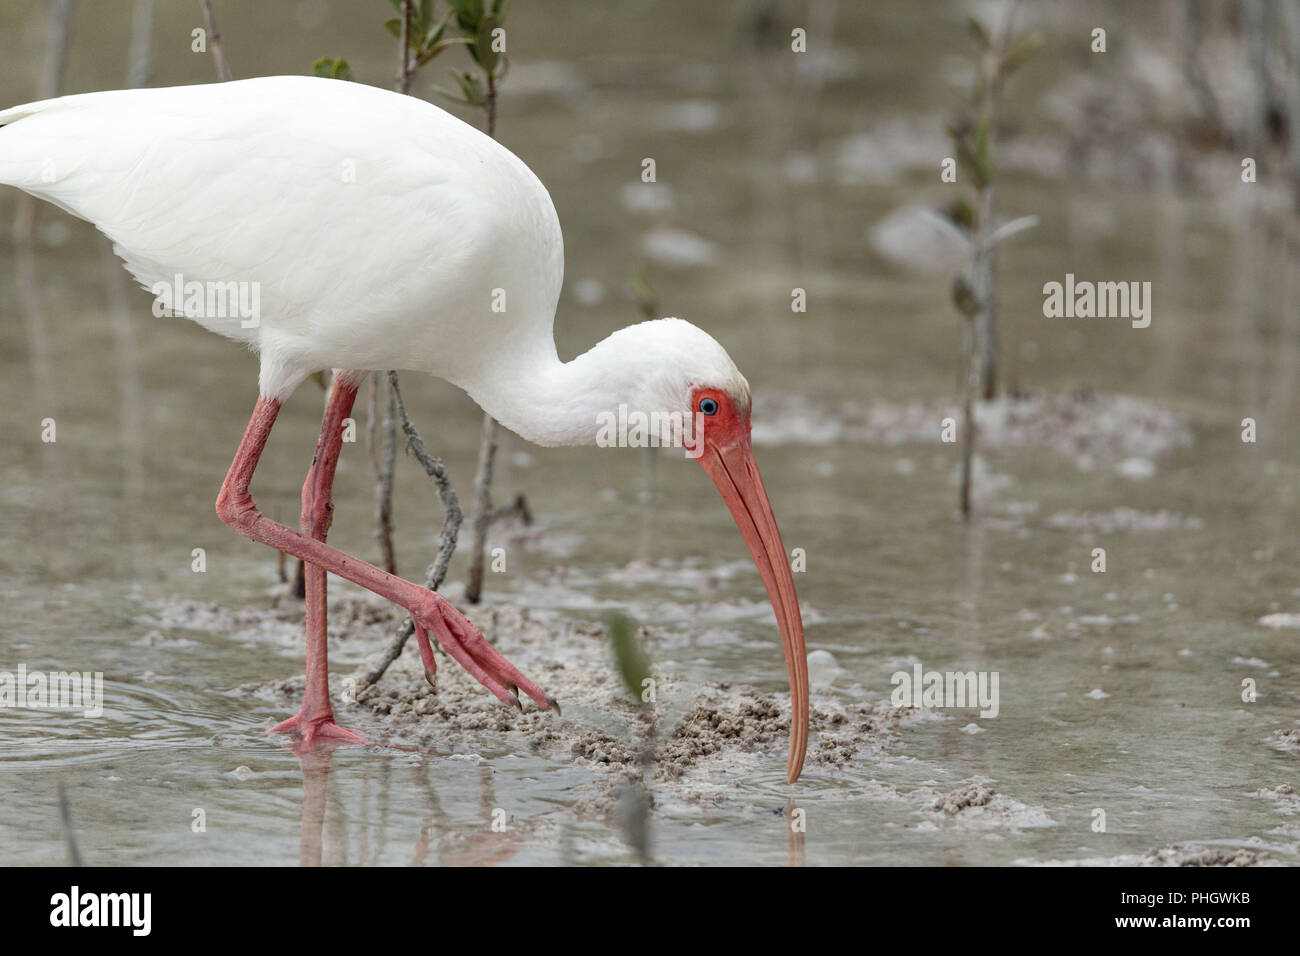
x=315 y=719
x=429 y=611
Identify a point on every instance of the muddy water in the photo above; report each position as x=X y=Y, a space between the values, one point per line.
x=1119 y=692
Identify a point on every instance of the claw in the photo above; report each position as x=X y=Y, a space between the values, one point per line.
x=426 y=652
x=555 y=705
x=463 y=641
x=428 y=676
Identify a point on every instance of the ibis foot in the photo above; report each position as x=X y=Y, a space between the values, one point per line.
x=317 y=729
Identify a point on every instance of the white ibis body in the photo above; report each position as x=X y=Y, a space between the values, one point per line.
x=371 y=231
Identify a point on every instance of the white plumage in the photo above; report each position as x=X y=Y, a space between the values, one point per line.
x=355 y=209
x=380 y=229
x=380 y=232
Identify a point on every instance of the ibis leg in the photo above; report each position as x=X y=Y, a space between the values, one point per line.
x=315 y=719
x=430 y=611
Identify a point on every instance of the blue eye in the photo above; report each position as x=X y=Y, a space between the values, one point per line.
x=708 y=406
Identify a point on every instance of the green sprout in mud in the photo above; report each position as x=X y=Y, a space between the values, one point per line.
x=633 y=667
x=629 y=657
x=974 y=290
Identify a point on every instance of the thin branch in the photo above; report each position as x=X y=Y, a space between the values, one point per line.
x=434 y=468
x=382 y=461
x=385 y=461
x=482 y=512
x=140 y=58
x=517 y=508
x=58 y=38
x=404 y=53
x=384 y=482
x=482 y=507
x=214 y=43
x=451 y=522
x=1291 y=18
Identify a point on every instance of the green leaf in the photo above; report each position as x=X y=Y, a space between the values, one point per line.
x=448 y=94
x=394 y=27
x=978 y=33
x=470 y=87
x=433 y=51
x=980 y=138
x=962 y=213
x=643 y=293
x=1020 y=53
x=979 y=152
x=332 y=69
x=1008 y=229
x=963 y=296
x=629 y=658
x=481 y=50
x=436 y=31
x=468 y=14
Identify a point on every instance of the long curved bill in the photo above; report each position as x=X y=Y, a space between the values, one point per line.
x=734 y=471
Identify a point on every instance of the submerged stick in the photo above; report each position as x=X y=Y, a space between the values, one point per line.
x=65 y=823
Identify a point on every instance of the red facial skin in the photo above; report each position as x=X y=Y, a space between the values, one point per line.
x=728 y=457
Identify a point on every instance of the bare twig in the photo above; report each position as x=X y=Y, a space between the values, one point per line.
x=385 y=461
x=975 y=292
x=382 y=461
x=140 y=58
x=1291 y=19
x=404 y=53
x=214 y=42
x=1191 y=24
x=516 y=508
x=481 y=511
x=451 y=522
x=971 y=386
x=985 y=252
x=384 y=479
x=58 y=38
x=434 y=468
x=1256 y=31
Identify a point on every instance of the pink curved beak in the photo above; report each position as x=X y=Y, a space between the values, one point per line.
x=734 y=471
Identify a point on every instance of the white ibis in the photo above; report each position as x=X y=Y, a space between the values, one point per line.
x=375 y=231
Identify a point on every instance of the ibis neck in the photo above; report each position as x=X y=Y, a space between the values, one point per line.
x=551 y=402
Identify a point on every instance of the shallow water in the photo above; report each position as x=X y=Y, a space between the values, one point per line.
x=97 y=529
